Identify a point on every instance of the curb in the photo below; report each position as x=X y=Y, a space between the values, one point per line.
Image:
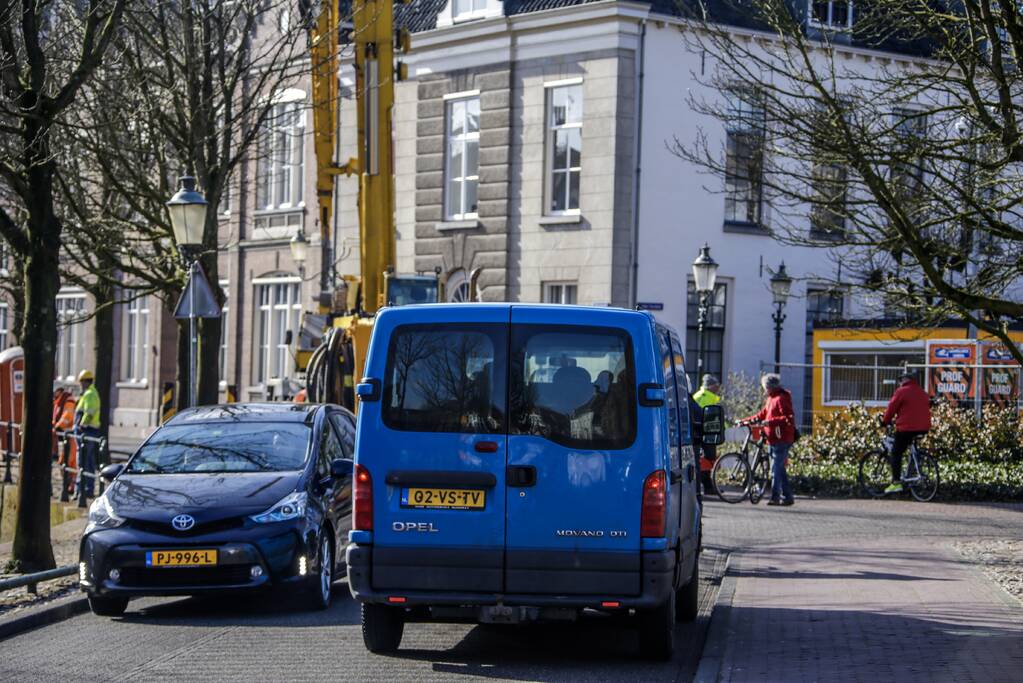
x=58 y=610
x=709 y=669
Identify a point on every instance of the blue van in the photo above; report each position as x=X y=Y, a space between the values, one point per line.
x=524 y=462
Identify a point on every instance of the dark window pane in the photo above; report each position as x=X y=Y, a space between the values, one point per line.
x=574 y=386
x=224 y=447
x=442 y=378
x=713 y=332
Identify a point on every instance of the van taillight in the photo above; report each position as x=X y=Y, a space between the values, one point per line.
x=655 y=503
x=363 y=495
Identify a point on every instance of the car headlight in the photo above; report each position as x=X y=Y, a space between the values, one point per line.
x=291 y=506
x=102 y=515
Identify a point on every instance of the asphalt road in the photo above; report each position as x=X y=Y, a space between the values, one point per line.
x=271 y=640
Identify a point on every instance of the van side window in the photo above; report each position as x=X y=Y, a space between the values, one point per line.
x=671 y=390
x=446 y=378
x=684 y=391
x=573 y=385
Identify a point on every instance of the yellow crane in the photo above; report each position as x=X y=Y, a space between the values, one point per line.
x=334 y=367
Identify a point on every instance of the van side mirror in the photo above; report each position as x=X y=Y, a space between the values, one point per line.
x=368 y=389
x=713 y=425
x=110 y=472
x=340 y=468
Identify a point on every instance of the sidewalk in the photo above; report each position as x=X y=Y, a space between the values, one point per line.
x=876 y=610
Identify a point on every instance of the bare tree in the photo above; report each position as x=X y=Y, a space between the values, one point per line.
x=48 y=51
x=195 y=88
x=902 y=161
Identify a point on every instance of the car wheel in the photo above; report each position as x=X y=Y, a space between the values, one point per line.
x=657 y=631
x=105 y=606
x=687 y=598
x=382 y=627
x=320 y=585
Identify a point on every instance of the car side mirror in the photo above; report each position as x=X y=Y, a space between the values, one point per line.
x=341 y=468
x=110 y=472
x=713 y=425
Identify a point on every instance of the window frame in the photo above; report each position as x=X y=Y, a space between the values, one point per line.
x=550 y=132
x=136 y=344
x=463 y=139
x=548 y=287
x=271 y=171
x=266 y=317
x=473 y=13
x=829 y=24
x=691 y=354
x=746 y=125
x=876 y=353
x=5 y=331
x=225 y=337
x=70 y=343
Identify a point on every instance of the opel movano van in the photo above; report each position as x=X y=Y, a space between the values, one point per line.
x=524 y=462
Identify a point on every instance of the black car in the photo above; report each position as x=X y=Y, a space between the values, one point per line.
x=223 y=498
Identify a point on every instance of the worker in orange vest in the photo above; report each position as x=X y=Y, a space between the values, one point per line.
x=64 y=420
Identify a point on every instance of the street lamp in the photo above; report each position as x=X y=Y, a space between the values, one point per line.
x=781 y=285
x=187 y=209
x=705 y=273
x=299 y=250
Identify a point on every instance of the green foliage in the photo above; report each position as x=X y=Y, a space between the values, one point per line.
x=977 y=460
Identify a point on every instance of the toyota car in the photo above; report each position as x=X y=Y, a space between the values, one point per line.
x=225 y=498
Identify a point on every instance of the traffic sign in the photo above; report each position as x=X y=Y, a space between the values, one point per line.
x=197 y=301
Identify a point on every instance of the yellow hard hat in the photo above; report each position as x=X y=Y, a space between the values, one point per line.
x=86 y=375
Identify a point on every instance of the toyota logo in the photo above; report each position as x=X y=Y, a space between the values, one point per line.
x=183 y=522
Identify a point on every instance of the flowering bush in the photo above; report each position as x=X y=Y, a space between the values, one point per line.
x=978 y=460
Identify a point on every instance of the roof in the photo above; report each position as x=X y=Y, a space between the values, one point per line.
x=247 y=412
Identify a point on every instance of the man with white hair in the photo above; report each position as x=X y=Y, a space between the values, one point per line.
x=779 y=421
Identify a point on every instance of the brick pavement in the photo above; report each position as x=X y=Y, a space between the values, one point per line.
x=886 y=608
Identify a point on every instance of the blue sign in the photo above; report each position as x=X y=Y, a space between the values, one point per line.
x=650 y=306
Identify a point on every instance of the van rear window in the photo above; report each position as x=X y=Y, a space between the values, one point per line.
x=446 y=378
x=573 y=385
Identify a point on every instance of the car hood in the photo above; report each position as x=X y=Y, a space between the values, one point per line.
x=207 y=497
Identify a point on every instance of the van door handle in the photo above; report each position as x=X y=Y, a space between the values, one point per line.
x=676 y=475
x=521 y=475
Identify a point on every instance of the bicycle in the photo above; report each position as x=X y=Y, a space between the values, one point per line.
x=921 y=474
x=736 y=477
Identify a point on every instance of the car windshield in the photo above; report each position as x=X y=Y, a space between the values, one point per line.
x=224 y=447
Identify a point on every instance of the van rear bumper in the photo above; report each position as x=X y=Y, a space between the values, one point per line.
x=658 y=572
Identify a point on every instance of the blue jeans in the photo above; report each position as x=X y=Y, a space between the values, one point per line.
x=87 y=458
x=780 y=486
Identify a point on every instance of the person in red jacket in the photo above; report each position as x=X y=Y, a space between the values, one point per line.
x=779 y=422
x=910 y=408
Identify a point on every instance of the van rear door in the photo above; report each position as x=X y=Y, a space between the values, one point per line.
x=576 y=460
x=435 y=444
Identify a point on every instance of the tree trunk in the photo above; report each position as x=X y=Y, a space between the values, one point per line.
x=103 y=360
x=31 y=550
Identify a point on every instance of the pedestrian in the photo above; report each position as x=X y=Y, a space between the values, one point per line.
x=709 y=394
x=910 y=408
x=87 y=426
x=67 y=448
x=779 y=422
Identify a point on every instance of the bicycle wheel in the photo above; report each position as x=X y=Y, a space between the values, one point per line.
x=875 y=473
x=731 y=477
x=761 y=479
x=923 y=482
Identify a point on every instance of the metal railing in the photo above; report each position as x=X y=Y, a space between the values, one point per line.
x=31 y=580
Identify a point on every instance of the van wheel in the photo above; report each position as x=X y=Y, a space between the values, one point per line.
x=687 y=598
x=106 y=606
x=382 y=627
x=657 y=631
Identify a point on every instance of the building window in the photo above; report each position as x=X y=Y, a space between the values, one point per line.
x=136 y=325
x=70 y=345
x=225 y=332
x=713 y=331
x=462 y=168
x=822 y=305
x=868 y=377
x=827 y=216
x=907 y=168
x=279 y=311
x=744 y=159
x=833 y=14
x=564 y=147
x=469 y=9
x=4 y=330
x=281 y=161
x=457 y=287
x=560 y=293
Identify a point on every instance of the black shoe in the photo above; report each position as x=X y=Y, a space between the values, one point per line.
x=788 y=501
x=774 y=501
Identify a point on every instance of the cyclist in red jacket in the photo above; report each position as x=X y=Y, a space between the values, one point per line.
x=910 y=407
x=779 y=422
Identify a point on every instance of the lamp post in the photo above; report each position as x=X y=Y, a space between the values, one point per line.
x=781 y=285
x=187 y=209
x=299 y=250
x=705 y=273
